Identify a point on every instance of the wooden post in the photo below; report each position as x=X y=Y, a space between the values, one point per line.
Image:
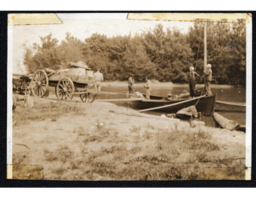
x=205 y=46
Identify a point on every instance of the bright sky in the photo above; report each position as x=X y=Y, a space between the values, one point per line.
x=82 y=26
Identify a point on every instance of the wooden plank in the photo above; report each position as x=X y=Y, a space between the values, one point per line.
x=170 y=105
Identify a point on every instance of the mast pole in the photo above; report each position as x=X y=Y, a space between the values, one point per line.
x=205 y=46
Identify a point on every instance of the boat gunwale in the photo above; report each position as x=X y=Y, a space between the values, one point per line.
x=176 y=100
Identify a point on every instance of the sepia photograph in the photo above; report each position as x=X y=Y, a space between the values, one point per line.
x=129 y=96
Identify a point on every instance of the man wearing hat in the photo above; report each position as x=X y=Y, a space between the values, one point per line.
x=208 y=79
x=192 y=80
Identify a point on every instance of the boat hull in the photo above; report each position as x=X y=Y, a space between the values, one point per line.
x=204 y=104
x=228 y=106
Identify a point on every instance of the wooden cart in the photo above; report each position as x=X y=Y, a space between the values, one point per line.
x=75 y=79
x=20 y=84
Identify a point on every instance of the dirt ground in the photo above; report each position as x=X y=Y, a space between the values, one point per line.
x=102 y=141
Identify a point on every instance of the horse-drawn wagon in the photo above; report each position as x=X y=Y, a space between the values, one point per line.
x=75 y=79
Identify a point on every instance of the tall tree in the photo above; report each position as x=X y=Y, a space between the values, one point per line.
x=46 y=55
x=70 y=49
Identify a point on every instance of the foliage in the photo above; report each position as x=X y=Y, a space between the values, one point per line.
x=226 y=50
x=161 y=54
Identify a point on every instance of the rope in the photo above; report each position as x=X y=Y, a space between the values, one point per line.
x=199 y=99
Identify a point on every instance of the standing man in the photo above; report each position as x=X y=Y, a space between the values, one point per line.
x=147 y=86
x=208 y=79
x=98 y=78
x=130 y=85
x=192 y=80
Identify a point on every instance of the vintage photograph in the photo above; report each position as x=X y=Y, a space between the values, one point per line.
x=127 y=97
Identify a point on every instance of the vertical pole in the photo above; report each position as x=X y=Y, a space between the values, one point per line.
x=205 y=46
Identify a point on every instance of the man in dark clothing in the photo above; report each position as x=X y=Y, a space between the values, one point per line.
x=192 y=81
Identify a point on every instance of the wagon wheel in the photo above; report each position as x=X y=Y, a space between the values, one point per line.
x=65 y=89
x=87 y=97
x=39 y=83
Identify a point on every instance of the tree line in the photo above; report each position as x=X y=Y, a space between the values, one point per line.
x=164 y=55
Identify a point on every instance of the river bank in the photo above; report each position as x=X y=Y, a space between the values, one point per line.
x=78 y=141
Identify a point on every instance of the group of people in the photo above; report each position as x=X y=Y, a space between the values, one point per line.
x=191 y=79
x=98 y=78
x=207 y=80
x=147 y=86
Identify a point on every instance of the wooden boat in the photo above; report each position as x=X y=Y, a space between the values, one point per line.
x=204 y=104
x=221 y=105
x=229 y=106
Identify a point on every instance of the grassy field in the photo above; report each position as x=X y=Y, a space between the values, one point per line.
x=77 y=141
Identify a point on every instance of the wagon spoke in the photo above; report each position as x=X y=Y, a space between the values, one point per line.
x=39 y=76
x=60 y=93
x=43 y=89
x=33 y=85
x=35 y=89
x=63 y=82
x=69 y=88
x=42 y=77
x=61 y=86
x=36 y=77
x=84 y=97
x=38 y=88
x=40 y=91
x=65 y=96
x=43 y=83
